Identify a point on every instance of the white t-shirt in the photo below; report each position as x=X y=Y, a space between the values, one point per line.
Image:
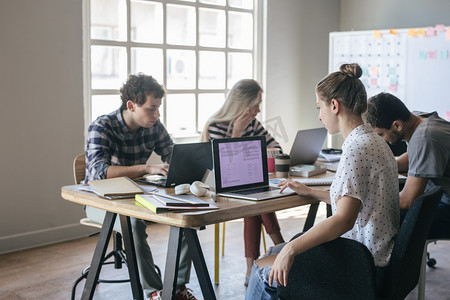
x=368 y=171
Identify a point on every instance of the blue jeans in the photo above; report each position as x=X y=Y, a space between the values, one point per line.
x=258 y=286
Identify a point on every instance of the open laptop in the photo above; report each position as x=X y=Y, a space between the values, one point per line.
x=240 y=169
x=188 y=163
x=307 y=146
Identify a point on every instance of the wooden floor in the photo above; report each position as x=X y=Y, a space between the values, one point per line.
x=48 y=272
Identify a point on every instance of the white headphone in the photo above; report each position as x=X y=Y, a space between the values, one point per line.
x=199 y=189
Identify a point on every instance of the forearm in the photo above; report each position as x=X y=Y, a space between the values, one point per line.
x=129 y=171
x=402 y=163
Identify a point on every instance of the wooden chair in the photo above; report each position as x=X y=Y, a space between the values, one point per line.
x=79 y=169
x=344 y=268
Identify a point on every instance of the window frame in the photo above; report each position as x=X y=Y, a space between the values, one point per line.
x=258 y=52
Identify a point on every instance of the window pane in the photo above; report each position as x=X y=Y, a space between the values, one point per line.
x=146 y=22
x=180 y=113
x=104 y=104
x=211 y=70
x=181 y=69
x=147 y=61
x=108 y=67
x=240 y=66
x=211 y=27
x=240 y=30
x=248 y=4
x=109 y=20
x=180 y=25
x=208 y=104
x=216 y=2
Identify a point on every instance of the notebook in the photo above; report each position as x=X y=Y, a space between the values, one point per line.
x=188 y=163
x=240 y=169
x=118 y=186
x=307 y=146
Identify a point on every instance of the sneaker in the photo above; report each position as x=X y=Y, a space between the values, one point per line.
x=246 y=280
x=155 y=296
x=184 y=293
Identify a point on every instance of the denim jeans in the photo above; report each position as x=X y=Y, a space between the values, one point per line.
x=258 y=286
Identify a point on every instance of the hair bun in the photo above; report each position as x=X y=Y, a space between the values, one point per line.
x=352 y=70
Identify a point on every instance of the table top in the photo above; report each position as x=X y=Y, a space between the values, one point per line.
x=229 y=208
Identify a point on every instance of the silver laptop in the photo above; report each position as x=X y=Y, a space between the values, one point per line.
x=240 y=169
x=307 y=146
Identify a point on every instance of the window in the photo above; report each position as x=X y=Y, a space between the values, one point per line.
x=196 y=48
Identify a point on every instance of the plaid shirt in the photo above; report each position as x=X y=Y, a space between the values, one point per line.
x=111 y=143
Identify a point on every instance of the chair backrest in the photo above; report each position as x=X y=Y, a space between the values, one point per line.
x=404 y=267
x=79 y=168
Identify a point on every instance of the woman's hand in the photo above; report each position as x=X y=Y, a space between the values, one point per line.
x=296 y=186
x=281 y=266
x=242 y=122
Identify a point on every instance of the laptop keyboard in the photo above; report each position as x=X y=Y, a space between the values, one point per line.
x=257 y=190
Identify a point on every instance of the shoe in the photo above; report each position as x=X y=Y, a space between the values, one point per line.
x=246 y=280
x=156 y=295
x=184 y=294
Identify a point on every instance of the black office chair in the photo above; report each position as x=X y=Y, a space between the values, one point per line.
x=344 y=268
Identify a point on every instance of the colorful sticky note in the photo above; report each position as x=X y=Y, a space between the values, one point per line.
x=393 y=80
x=421 y=31
x=392 y=70
x=393 y=88
x=431 y=31
x=443 y=54
x=423 y=55
x=447 y=115
x=440 y=28
x=377 y=34
x=393 y=31
x=447 y=34
x=412 y=32
x=373 y=81
x=432 y=54
x=373 y=71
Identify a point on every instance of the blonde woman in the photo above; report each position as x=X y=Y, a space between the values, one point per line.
x=237 y=118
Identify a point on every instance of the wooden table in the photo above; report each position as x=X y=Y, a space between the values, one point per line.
x=180 y=223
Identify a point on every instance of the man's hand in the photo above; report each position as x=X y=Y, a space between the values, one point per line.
x=157 y=169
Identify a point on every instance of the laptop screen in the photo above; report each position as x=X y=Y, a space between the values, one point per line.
x=240 y=163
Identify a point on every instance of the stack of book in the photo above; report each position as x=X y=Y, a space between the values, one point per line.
x=163 y=203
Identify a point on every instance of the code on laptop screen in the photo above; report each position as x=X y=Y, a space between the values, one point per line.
x=241 y=163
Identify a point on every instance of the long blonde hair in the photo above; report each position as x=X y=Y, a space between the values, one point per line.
x=243 y=95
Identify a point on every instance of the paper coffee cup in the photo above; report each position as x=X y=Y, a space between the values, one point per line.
x=282 y=162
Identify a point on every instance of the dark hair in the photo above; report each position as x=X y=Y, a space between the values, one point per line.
x=138 y=87
x=345 y=87
x=383 y=109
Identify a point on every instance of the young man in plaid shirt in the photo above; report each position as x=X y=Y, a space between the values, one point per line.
x=119 y=144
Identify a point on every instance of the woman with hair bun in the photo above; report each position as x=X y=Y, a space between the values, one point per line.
x=363 y=195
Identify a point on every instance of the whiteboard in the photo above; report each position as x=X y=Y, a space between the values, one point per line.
x=416 y=69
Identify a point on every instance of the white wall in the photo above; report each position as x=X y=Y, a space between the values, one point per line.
x=297 y=58
x=41 y=120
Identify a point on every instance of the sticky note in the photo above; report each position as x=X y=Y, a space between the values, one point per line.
x=393 y=31
x=373 y=81
x=374 y=71
x=447 y=115
x=440 y=28
x=412 y=32
x=377 y=34
x=392 y=70
x=432 y=54
x=431 y=31
x=393 y=80
x=443 y=54
x=447 y=34
x=421 y=31
x=393 y=88
x=423 y=55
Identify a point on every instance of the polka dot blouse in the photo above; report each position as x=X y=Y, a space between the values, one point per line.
x=368 y=171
